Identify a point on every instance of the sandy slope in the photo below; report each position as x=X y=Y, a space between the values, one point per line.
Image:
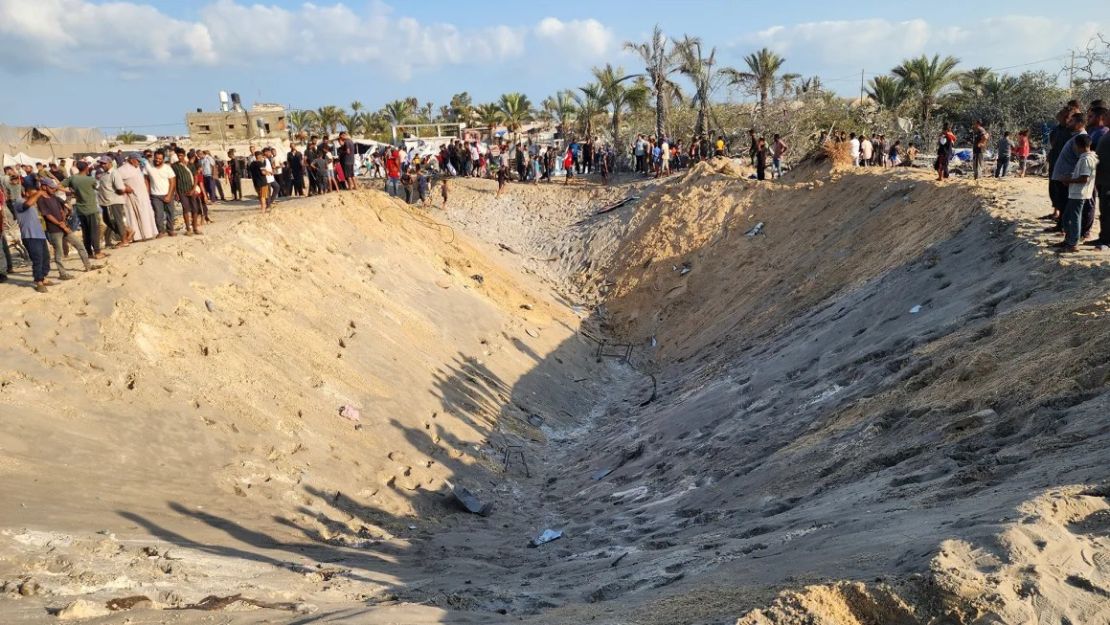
x=169 y=427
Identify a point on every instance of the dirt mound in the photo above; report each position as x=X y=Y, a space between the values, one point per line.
x=1044 y=569
x=731 y=167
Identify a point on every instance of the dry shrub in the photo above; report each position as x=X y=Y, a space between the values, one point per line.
x=839 y=153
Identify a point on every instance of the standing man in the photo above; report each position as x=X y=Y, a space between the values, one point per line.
x=1064 y=166
x=109 y=194
x=778 y=149
x=188 y=194
x=295 y=161
x=33 y=237
x=1002 y=165
x=347 y=153
x=84 y=187
x=136 y=200
x=853 y=149
x=258 y=177
x=1102 y=188
x=753 y=145
x=161 y=178
x=979 y=139
x=57 y=229
x=392 y=173
x=236 y=167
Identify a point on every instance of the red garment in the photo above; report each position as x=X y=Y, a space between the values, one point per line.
x=339 y=175
x=1022 y=149
x=393 y=165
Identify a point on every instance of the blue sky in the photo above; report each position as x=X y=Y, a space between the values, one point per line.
x=141 y=65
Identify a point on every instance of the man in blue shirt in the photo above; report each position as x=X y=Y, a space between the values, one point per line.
x=34 y=238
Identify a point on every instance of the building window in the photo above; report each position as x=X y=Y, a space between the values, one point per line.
x=205 y=128
x=267 y=127
x=231 y=126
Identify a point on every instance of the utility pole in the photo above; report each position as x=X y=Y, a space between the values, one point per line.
x=1071 y=75
x=861 y=87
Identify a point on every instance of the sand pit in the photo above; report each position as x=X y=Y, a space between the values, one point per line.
x=884 y=404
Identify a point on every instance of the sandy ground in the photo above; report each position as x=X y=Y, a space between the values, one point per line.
x=792 y=439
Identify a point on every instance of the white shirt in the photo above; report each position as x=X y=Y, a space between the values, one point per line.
x=269 y=169
x=855 y=148
x=159 y=179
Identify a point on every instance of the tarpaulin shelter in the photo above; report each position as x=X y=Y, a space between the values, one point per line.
x=47 y=143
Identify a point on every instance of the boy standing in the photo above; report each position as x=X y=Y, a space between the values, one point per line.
x=1081 y=186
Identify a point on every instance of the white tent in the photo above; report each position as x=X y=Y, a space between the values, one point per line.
x=21 y=159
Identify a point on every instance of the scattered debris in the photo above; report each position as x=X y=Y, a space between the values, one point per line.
x=532 y=333
x=470 y=502
x=479 y=278
x=518 y=451
x=626 y=457
x=210 y=305
x=213 y=602
x=624 y=354
x=129 y=603
x=535 y=420
x=755 y=231
x=916 y=309
x=526 y=307
x=619 y=558
x=82 y=608
x=682 y=269
x=654 y=391
x=506 y=248
x=350 y=412
x=615 y=205
x=545 y=537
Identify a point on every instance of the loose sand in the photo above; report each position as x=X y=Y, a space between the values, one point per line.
x=789 y=443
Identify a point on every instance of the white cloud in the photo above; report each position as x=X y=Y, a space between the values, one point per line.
x=833 y=47
x=580 y=40
x=129 y=35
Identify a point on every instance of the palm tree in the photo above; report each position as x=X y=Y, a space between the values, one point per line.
x=561 y=108
x=926 y=78
x=301 y=121
x=490 y=115
x=128 y=137
x=809 y=85
x=763 y=66
x=356 y=106
x=590 y=104
x=888 y=92
x=515 y=110
x=618 y=95
x=973 y=81
x=698 y=67
x=786 y=84
x=352 y=122
x=398 y=111
x=461 y=107
x=659 y=64
x=328 y=118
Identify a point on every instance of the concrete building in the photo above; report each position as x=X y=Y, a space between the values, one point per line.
x=261 y=121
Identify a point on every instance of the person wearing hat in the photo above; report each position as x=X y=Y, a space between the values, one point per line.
x=83 y=186
x=32 y=235
x=58 y=231
x=136 y=198
x=109 y=195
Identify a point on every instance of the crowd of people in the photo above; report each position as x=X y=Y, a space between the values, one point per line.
x=90 y=205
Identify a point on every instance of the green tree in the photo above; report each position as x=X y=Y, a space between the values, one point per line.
x=462 y=107
x=398 y=111
x=699 y=68
x=888 y=92
x=128 y=137
x=761 y=75
x=926 y=79
x=561 y=107
x=661 y=60
x=301 y=121
x=619 y=95
x=590 y=103
x=489 y=115
x=356 y=106
x=328 y=117
x=515 y=110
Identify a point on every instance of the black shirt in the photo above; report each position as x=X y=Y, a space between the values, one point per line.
x=258 y=176
x=296 y=163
